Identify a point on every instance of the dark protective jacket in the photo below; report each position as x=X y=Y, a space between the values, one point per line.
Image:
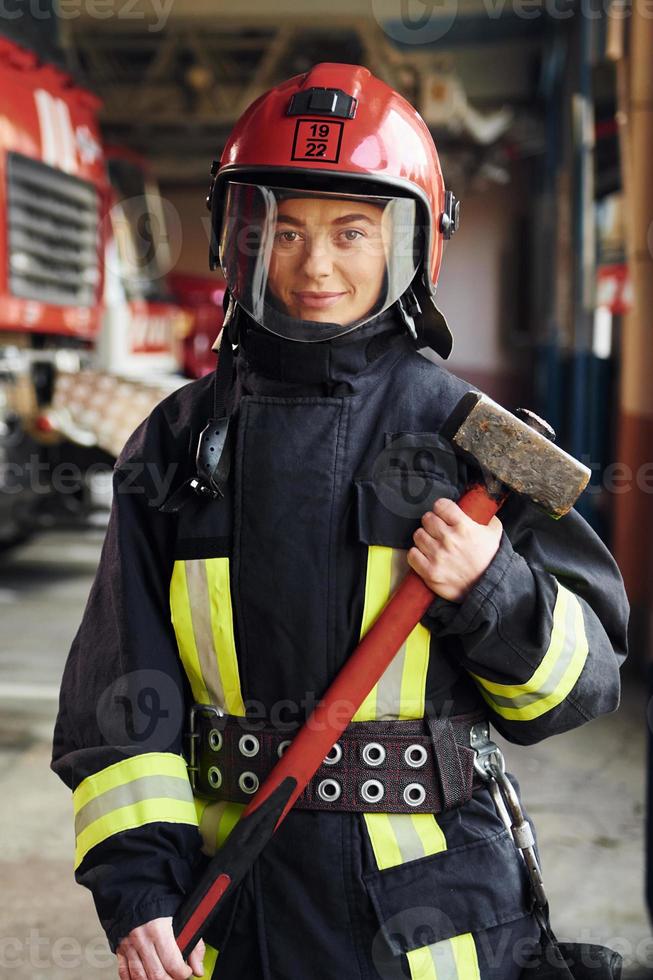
x=253 y=602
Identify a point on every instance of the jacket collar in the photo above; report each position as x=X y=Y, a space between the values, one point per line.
x=262 y=354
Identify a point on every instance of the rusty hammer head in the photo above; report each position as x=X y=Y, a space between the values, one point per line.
x=516 y=454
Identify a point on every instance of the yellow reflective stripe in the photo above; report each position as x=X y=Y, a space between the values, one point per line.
x=413 y=684
x=384 y=842
x=222 y=623
x=429 y=832
x=556 y=675
x=136 y=815
x=210 y=957
x=400 y=837
x=230 y=818
x=200 y=807
x=464 y=951
x=420 y=962
x=182 y=621
x=449 y=959
x=377 y=589
x=400 y=691
x=556 y=643
x=217 y=822
x=126 y=771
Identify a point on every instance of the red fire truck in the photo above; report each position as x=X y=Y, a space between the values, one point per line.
x=90 y=339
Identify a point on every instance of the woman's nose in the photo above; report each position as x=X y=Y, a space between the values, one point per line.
x=318 y=261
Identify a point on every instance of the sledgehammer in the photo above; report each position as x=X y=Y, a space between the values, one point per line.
x=514 y=456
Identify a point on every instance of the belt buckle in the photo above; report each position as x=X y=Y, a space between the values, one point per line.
x=192 y=737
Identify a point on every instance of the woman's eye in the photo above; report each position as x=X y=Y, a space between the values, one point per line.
x=351 y=235
x=287 y=237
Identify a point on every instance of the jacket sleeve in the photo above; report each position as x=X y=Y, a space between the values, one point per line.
x=118 y=734
x=543 y=631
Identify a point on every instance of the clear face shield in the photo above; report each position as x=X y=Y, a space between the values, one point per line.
x=312 y=266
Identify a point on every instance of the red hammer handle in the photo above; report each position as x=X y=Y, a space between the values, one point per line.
x=362 y=670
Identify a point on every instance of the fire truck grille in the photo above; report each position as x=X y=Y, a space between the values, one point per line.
x=53 y=225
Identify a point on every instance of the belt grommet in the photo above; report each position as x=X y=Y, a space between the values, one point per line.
x=215 y=740
x=214 y=777
x=329 y=790
x=248 y=745
x=334 y=755
x=415 y=756
x=373 y=754
x=282 y=746
x=372 y=791
x=414 y=794
x=248 y=782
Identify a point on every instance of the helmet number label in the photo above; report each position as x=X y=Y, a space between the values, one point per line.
x=317 y=139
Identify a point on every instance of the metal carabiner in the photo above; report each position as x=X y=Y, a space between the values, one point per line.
x=490 y=764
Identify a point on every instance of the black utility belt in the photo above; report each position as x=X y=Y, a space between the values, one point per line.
x=417 y=766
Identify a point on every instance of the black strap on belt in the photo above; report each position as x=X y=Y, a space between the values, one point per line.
x=413 y=766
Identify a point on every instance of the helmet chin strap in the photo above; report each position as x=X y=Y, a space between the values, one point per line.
x=408 y=308
x=214 y=447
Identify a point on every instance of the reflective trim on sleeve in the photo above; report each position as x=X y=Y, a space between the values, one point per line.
x=400 y=691
x=450 y=959
x=557 y=673
x=148 y=788
x=200 y=606
x=127 y=770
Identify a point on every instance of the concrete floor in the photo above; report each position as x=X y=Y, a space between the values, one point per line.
x=584 y=791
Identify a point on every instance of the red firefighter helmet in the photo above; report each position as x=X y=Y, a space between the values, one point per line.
x=338 y=128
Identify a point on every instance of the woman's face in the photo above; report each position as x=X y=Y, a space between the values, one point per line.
x=328 y=258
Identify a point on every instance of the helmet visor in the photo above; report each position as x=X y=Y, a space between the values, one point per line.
x=311 y=266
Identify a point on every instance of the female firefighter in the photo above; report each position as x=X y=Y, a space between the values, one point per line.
x=320 y=479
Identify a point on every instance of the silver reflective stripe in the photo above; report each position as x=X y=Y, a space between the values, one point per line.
x=444 y=961
x=200 y=605
x=145 y=788
x=408 y=840
x=564 y=659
